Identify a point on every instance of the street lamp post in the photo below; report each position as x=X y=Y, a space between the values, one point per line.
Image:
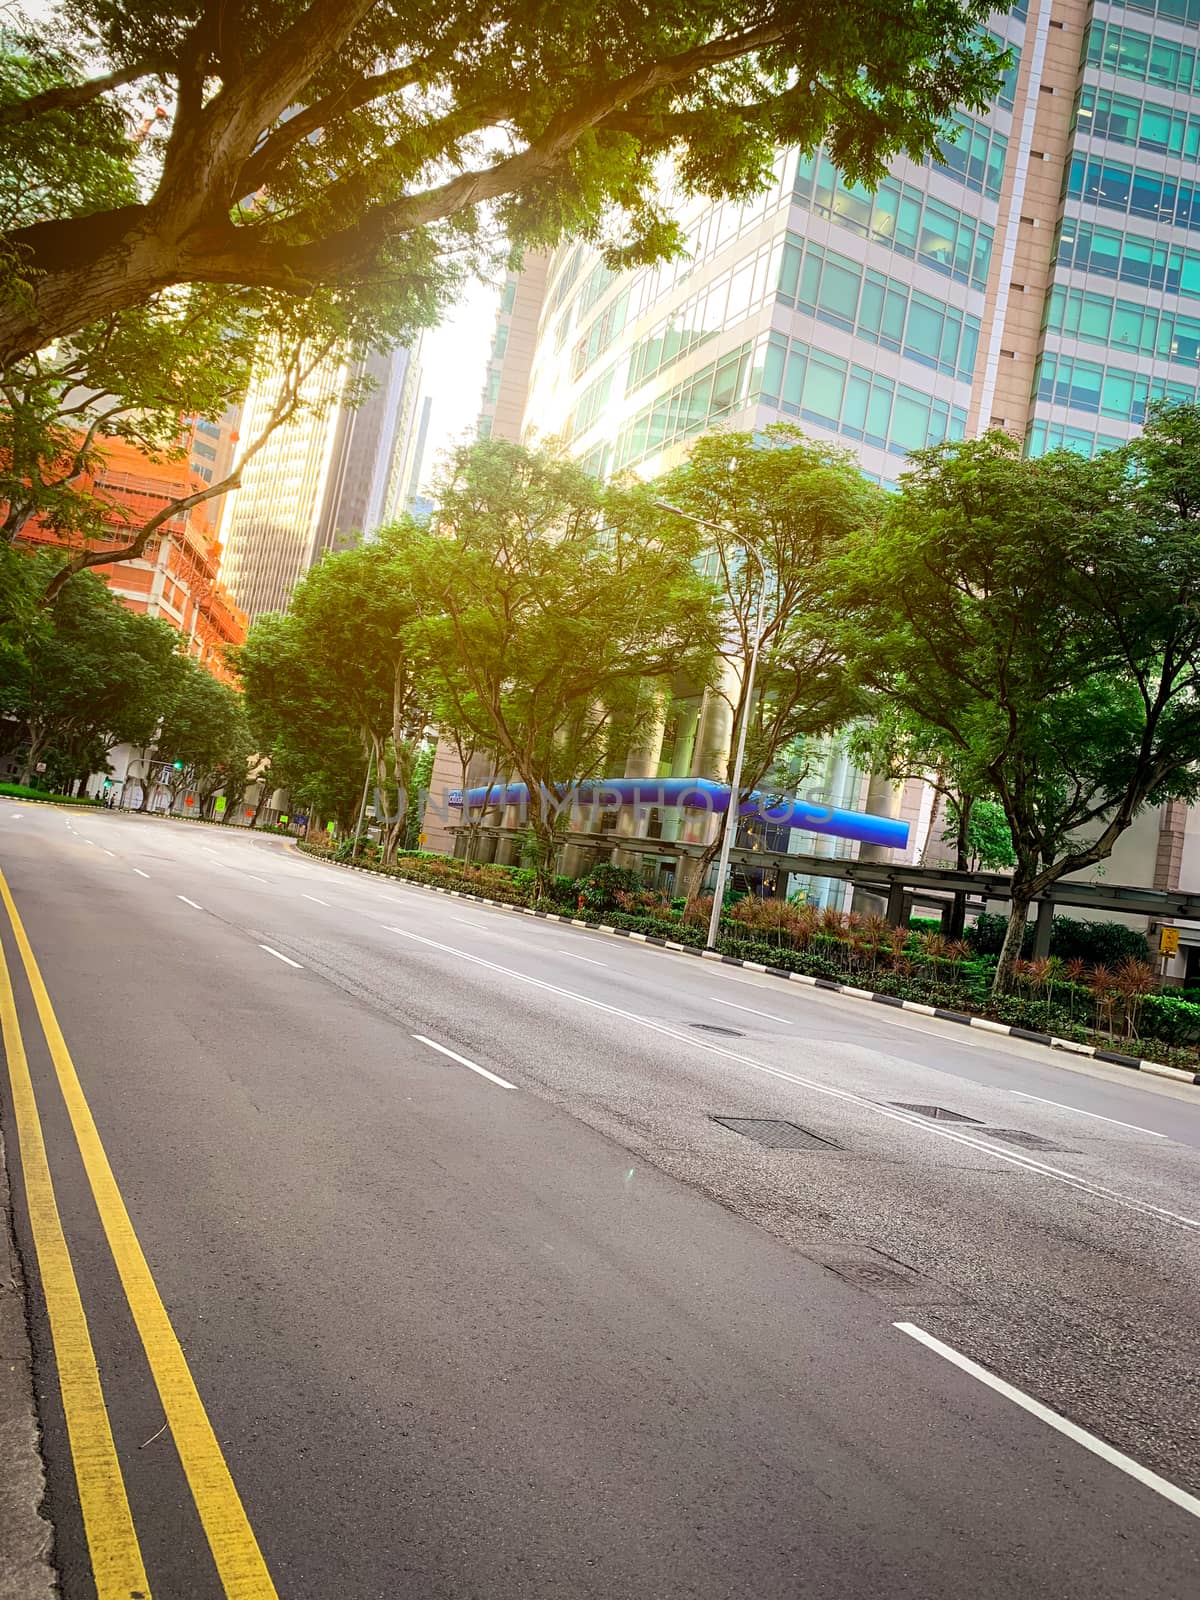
x=729 y=832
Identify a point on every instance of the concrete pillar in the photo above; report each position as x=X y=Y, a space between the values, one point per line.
x=883 y=799
x=1042 y=928
x=896 y=910
x=643 y=760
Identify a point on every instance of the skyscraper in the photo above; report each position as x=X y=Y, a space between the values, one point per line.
x=1042 y=275
x=334 y=471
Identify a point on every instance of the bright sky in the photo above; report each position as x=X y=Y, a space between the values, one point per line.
x=453 y=361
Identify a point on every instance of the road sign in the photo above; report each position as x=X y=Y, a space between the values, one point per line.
x=1168 y=941
x=190 y=801
x=220 y=805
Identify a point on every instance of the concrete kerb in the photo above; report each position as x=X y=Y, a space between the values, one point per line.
x=849 y=991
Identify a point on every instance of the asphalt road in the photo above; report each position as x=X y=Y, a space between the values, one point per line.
x=547 y=1329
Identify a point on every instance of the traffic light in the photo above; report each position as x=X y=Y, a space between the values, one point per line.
x=178 y=765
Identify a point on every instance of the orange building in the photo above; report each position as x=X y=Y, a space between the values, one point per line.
x=176 y=577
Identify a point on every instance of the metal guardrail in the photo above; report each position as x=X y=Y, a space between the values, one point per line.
x=883 y=875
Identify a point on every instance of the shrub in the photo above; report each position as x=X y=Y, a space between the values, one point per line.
x=598 y=891
x=1171 y=1018
x=1103 y=943
x=21 y=791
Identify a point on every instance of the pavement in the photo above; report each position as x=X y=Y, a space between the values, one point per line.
x=450 y=1284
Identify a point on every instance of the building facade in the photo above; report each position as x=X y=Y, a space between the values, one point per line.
x=1042 y=276
x=334 y=472
x=176 y=578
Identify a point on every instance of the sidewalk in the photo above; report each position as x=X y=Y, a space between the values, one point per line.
x=26 y=1570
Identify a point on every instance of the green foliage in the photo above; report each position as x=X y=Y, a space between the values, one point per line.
x=1039 y=616
x=1071 y=939
x=1171 y=1018
x=83 y=677
x=600 y=888
x=298 y=721
x=552 y=610
x=205 y=737
x=340 y=143
x=988 y=835
x=793 y=504
x=23 y=791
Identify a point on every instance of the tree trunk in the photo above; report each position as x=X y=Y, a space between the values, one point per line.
x=1014 y=937
x=958 y=910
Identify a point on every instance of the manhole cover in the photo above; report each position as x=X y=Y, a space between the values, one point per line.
x=712 y=1027
x=1031 y=1141
x=774 y=1134
x=935 y=1113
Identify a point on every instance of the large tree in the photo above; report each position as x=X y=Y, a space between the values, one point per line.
x=85 y=677
x=315 y=144
x=203 y=743
x=354 y=617
x=1043 y=616
x=793 y=504
x=309 y=745
x=549 y=605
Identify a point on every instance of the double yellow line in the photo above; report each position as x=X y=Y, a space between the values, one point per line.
x=108 y=1522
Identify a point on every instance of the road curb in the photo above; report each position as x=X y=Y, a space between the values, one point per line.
x=1113 y=1058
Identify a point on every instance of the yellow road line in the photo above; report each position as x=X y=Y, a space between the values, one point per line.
x=240 y=1564
x=107 y=1522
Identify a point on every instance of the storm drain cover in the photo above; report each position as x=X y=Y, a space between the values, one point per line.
x=1031 y=1141
x=936 y=1113
x=774 y=1134
x=712 y=1027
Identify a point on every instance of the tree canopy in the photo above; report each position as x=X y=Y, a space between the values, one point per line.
x=792 y=503
x=1041 y=617
x=296 y=145
x=552 y=611
x=83 y=678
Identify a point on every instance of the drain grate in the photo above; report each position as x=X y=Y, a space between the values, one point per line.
x=935 y=1113
x=774 y=1134
x=712 y=1027
x=1031 y=1141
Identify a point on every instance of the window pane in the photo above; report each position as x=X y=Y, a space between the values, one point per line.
x=910 y=421
x=1126 y=325
x=839 y=291
x=924 y=332
x=1117 y=394
x=823 y=388
x=789 y=271
x=870 y=309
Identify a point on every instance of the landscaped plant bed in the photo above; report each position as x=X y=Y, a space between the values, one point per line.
x=1056 y=1002
x=21 y=791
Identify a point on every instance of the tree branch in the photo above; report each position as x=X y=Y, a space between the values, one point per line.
x=283 y=410
x=70 y=96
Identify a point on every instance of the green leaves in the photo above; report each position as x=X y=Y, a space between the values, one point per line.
x=333 y=144
x=1037 y=618
x=794 y=504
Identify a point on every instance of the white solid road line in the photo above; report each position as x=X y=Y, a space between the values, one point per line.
x=753 y=1010
x=279 y=956
x=1009 y=1158
x=314 y=899
x=1079 y=1111
x=1169 y=1491
x=188 y=902
x=575 y=956
x=107 y=851
x=463 y=1062
x=140 y=873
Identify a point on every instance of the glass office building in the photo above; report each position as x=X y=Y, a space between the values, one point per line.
x=1041 y=275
